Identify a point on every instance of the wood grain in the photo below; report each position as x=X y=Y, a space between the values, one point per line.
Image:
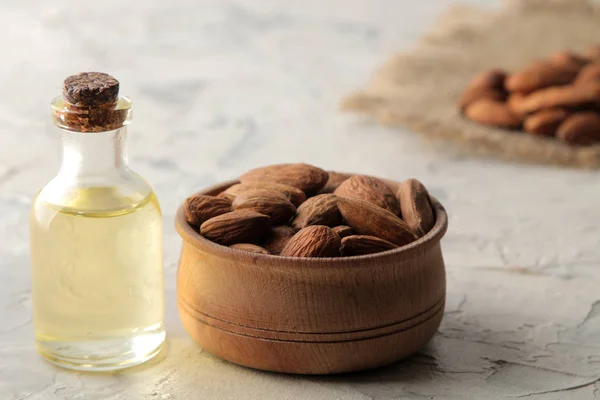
x=311 y=315
x=311 y=357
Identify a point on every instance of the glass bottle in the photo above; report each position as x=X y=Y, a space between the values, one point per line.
x=96 y=239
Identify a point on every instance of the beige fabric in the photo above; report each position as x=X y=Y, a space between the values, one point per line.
x=419 y=88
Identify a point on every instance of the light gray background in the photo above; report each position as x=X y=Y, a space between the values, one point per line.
x=223 y=86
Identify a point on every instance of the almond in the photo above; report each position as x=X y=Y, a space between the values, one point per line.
x=280 y=209
x=252 y=248
x=568 y=58
x=335 y=179
x=514 y=102
x=225 y=195
x=277 y=238
x=368 y=219
x=492 y=113
x=305 y=177
x=313 y=241
x=416 y=207
x=485 y=85
x=357 y=245
x=343 y=231
x=295 y=195
x=589 y=73
x=235 y=227
x=318 y=210
x=489 y=79
x=582 y=129
x=545 y=122
x=370 y=189
x=251 y=193
x=563 y=96
x=540 y=75
x=471 y=95
x=199 y=208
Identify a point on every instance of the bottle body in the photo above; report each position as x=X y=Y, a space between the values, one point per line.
x=97 y=259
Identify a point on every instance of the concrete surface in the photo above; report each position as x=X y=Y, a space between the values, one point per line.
x=222 y=86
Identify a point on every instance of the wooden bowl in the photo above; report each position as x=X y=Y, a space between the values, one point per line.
x=311 y=315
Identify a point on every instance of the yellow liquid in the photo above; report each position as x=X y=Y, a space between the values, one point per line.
x=97 y=279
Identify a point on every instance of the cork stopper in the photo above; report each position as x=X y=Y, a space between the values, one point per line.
x=90 y=102
x=89 y=89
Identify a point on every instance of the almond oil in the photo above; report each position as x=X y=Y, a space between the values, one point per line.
x=97 y=279
x=96 y=240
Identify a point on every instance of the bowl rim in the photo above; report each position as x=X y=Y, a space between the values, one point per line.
x=421 y=245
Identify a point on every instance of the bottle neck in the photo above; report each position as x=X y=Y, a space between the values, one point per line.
x=93 y=153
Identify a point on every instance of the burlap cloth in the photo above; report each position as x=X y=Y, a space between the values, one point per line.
x=419 y=88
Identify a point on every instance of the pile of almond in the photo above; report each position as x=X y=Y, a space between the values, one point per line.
x=299 y=210
x=557 y=97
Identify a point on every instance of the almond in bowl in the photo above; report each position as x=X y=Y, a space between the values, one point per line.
x=267 y=199
x=295 y=269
